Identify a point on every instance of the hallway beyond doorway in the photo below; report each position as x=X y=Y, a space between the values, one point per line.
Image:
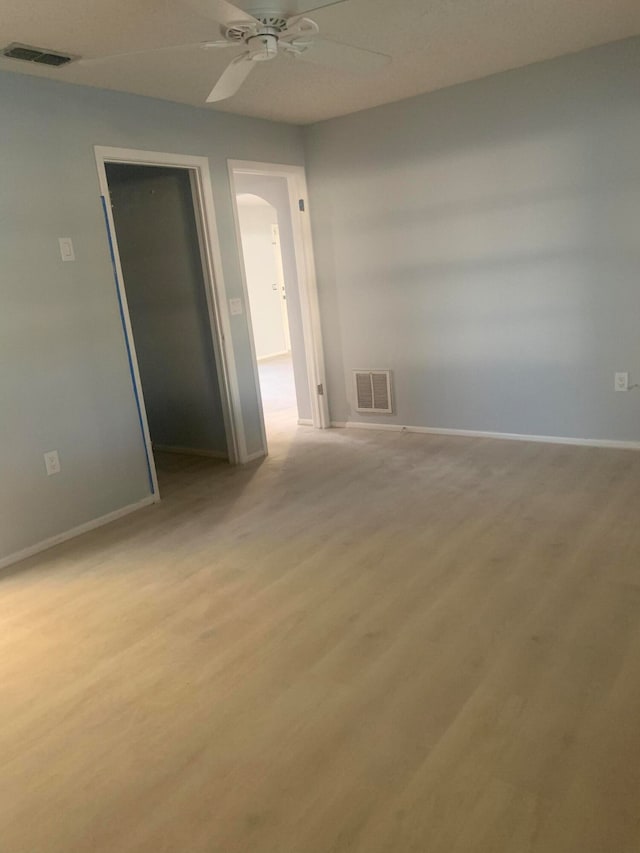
x=278 y=395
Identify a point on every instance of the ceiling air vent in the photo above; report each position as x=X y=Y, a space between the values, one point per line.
x=373 y=391
x=41 y=55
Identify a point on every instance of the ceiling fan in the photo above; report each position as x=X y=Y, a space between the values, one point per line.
x=262 y=32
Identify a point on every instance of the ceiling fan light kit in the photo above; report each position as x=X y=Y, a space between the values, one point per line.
x=263 y=47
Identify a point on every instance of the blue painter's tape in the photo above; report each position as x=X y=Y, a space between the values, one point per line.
x=126 y=340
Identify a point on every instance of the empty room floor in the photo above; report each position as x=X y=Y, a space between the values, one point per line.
x=368 y=642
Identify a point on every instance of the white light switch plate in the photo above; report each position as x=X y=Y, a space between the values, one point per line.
x=621 y=381
x=66 y=249
x=52 y=462
x=235 y=306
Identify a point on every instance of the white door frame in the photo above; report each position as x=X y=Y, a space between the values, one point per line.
x=198 y=168
x=306 y=275
x=281 y=285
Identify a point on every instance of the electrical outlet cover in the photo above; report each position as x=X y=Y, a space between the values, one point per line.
x=66 y=249
x=52 y=462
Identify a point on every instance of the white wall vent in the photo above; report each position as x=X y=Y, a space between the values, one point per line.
x=373 y=391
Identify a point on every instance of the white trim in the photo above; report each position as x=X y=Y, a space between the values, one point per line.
x=282 y=286
x=101 y=160
x=212 y=266
x=190 y=451
x=305 y=422
x=247 y=313
x=508 y=436
x=216 y=292
x=306 y=275
x=307 y=285
x=76 y=531
x=273 y=355
x=258 y=454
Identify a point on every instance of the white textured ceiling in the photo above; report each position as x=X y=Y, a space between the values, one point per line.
x=433 y=43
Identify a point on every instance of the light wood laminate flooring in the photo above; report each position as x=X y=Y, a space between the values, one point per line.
x=371 y=642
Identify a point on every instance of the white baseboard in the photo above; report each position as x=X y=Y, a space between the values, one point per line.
x=75 y=531
x=305 y=422
x=251 y=457
x=508 y=436
x=190 y=451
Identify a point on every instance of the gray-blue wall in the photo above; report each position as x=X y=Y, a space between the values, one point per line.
x=64 y=377
x=483 y=242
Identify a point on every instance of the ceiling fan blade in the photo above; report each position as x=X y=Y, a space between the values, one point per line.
x=305 y=7
x=191 y=45
x=300 y=30
x=232 y=78
x=221 y=11
x=291 y=9
x=333 y=53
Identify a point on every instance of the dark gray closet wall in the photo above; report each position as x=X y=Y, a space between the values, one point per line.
x=164 y=282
